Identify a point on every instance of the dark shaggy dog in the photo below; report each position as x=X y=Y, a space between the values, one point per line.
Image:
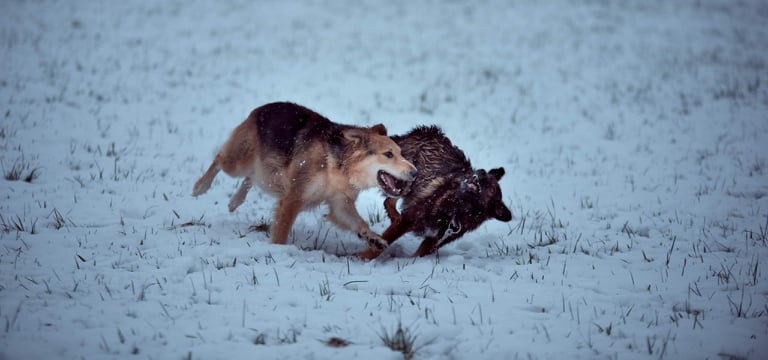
x=447 y=199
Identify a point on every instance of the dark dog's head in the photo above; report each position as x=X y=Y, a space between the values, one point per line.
x=478 y=199
x=483 y=187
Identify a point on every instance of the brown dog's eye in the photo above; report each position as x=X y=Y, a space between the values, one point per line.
x=389 y=154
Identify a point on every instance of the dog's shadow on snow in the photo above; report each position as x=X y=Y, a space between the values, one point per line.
x=345 y=245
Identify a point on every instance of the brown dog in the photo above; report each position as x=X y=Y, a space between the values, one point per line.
x=447 y=199
x=304 y=159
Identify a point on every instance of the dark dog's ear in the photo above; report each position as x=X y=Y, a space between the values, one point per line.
x=355 y=135
x=379 y=129
x=497 y=173
x=501 y=212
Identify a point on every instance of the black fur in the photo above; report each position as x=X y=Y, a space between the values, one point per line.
x=448 y=197
x=280 y=124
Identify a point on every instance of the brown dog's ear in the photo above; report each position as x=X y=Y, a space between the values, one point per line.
x=379 y=129
x=355 y=135
x=497 y=173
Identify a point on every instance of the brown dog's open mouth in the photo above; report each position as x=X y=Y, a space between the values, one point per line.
x=390 y=185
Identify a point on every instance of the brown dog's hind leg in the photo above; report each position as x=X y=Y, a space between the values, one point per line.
x=204 y=183
x=239 y=196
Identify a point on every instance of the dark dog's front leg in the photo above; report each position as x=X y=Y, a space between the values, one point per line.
x=428 y=246
x=390 y=206
x=446 y=235
x=395 y=230
x=398 y=225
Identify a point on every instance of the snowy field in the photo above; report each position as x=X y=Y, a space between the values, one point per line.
x=633 y=134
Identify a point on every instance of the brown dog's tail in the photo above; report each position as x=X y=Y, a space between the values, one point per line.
x=204 y=183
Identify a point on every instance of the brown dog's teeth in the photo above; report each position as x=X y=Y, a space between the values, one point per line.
x=388 y=183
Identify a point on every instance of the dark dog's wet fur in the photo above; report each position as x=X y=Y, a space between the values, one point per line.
x=448 y=197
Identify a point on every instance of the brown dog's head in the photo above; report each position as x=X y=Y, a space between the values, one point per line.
x=375 y=160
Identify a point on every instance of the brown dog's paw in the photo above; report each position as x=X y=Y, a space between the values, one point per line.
x=201 y=187
x=377 y=243
x=368 y=254
x=374 y=241
x=234 y=204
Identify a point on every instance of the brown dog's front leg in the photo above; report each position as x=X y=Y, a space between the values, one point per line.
x=392 y=233
x=285 y=214
x=395 y=230
x=344 y=215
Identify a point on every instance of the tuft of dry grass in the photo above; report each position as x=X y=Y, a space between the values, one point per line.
x=21 y=170
x=402 y=340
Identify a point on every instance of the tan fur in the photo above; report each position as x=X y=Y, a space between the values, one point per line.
x=311 y=177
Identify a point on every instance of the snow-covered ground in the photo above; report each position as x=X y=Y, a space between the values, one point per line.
x=633 y=134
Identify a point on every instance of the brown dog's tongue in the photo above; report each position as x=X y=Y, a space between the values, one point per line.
x=389 y=182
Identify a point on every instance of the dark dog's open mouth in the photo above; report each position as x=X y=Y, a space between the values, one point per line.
x=390 y=185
